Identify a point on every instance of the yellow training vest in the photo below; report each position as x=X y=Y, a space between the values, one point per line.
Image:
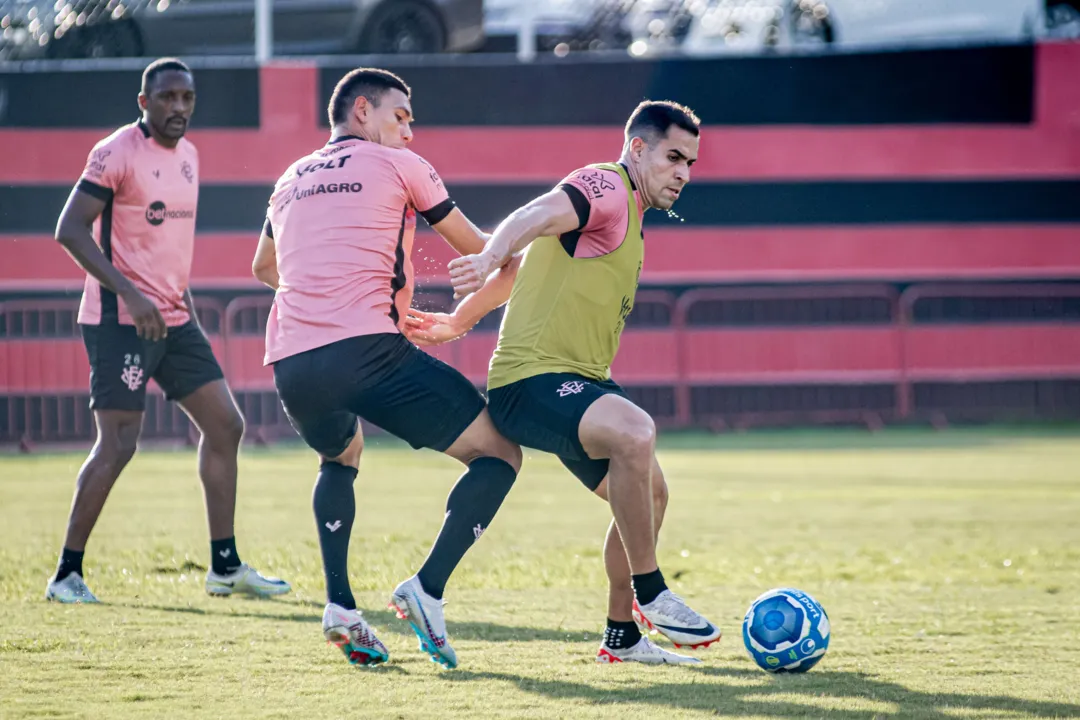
x=566 y=314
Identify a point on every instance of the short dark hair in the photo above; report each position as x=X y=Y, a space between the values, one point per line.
x=372 y=83
x=652 y=119
x=159 y=66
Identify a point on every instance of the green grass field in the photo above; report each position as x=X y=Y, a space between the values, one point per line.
x=949 y=564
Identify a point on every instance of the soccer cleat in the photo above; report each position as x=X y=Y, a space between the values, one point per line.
x=425 y=614
x=71 y=589
x=348 y=630
x=670 y=616
x=645 y=651
x=245 y=580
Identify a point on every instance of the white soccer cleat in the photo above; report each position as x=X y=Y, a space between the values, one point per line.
x=645 y=651
x=70 y=590
x=245 y=580
x=348 y=630
x=425 y=615
x=670 y=616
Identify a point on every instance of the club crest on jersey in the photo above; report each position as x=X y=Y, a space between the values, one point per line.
x=187 y=171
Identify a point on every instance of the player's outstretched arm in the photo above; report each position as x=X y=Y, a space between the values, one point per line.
x=73 y=231
x=550 y=214
x=425 y=328
x=264 y=266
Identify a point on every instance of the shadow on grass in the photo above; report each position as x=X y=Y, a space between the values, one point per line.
x=384 y=621
x=774 y=697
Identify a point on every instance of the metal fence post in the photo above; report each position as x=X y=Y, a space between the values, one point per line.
x=264 y=31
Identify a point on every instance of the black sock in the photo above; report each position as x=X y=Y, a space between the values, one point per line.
x=619 y=635
x=470 y=507
x=223 y=556
x=70 y=562
x=335 y=509
x=648 y=586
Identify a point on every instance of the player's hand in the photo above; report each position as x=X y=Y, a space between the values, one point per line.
x=424 y=328
x=149 y=324
x=469 y=273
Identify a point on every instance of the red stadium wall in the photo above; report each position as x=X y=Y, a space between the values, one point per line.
x=738 y=322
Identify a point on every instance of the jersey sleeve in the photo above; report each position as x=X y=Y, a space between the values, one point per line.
x=106 y=168
x=596 y=198
x=279 y=200
x=424 y=187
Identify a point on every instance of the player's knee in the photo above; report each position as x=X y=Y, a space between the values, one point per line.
x=482 y=439
x=636 y=439
x=351 y=456
x=116 y=448
x=233 y=431
x=509 y=452
x=497 y=447
x=228 y=431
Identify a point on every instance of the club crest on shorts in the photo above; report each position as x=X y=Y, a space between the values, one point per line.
x=133 y=374
x=570 y=387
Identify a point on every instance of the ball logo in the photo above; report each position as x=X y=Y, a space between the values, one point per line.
x=807 y=646
x=772 y=660
x=157 y=213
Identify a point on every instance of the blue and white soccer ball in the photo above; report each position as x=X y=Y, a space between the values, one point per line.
x=786 y=630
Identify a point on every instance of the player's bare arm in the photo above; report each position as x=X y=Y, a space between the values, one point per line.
x=264 y=266
x=73 y=231
x=550 y=214
x=461 y=234
x=424 y=328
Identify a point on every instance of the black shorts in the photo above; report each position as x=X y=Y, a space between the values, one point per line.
x=121 y=363
x=384 y=379
x=543 y=412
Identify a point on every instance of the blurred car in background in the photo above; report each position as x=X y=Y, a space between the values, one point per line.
x=575 y=24
x=709 y=27
x=33 y=29
x=1063 y=19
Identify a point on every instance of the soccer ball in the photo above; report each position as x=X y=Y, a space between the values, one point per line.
x=786 y=630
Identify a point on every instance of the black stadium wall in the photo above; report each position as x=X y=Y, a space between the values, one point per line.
x=954 y=86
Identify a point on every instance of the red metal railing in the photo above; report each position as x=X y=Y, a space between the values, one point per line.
x=947 y=351
x=856 y=351
x=728 y=355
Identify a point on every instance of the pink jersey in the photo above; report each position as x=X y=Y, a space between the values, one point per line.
x=602 y=209
x=147 y=230
x=343 y=220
